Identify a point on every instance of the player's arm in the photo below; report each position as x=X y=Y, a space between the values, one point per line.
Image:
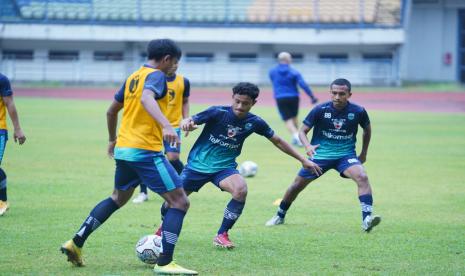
x=289 y=150
x=301 y=82
x=11 y=107
x=151 y=106
x=185 y=99
x=193 y=122
x=309 y=148
x=112 y=121
x=366 y=137
x=185 y=107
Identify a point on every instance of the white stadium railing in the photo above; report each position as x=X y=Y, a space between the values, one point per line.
x=360 y=72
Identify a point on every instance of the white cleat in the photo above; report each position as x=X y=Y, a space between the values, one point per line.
x=276 y=220
x=370 y=222
x=140 y=198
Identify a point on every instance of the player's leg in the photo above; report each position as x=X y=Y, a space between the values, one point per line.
x=3 y=191
x=160 y=177
x=192 y=181
x=3 y=196
x=163 y=209
x=236 y=186
x=299 y=184
x=357 y=173
x=173 y=158
x=303 y=178
x=289 y=109
x=172 y=154
x=171 y=229
x=291 y=125
x=126 y=180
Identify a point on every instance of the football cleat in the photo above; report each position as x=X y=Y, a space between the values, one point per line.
x=276 y=220
x=140 y=198
x=314 y=100
x=173 y=269
x=3 y=207
x=370 y=222
x=223 y=241
x=73 y=252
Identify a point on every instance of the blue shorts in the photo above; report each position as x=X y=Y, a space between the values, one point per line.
x=340 y=165
x=194 y=180
x=176 y=148
x=3 y=139
x=159 y=176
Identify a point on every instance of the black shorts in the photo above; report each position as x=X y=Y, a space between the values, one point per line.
x=288 y=107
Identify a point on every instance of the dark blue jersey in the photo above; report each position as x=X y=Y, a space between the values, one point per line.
x=5 y=86
x=335 y=130
x=222 y=138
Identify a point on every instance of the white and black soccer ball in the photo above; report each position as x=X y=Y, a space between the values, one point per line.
x=148 y=249
x=248 y=169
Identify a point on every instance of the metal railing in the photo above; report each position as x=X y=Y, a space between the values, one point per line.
x=216 y=72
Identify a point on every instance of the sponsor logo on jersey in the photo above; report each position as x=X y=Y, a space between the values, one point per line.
x=338 y=123
x=232 y=131
x=171 y=95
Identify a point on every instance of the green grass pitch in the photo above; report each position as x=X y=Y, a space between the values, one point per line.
x=416 y=164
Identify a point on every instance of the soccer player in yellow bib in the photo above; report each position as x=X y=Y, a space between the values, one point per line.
x=178 y=109
x=7 y=103
x=138 y=156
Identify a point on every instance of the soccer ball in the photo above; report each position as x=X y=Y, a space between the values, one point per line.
x=148 y=249
x=248 y=169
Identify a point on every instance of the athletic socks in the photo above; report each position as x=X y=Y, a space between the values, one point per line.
x=171 y=228
x=163 y=210
x=3 y=196
x=366 y=202
x=143 y=188
x=97 y=216
x=177 y=165
x=283 y=207
x=231 y=213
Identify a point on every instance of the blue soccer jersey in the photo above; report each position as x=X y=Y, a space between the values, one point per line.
x=335 y=130
x=222 y=138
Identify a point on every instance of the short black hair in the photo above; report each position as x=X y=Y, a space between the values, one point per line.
x=341 y=82
x=159 y=48
x=246 y=88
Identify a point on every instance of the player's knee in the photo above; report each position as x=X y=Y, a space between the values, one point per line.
x=240 y=192
x=181 y=202
x=362 y=179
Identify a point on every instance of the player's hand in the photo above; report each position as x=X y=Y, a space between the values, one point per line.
x=311 y=150
x=170 y=136
x=19 y=136
x=309 y=165
x=111 y=149
x=362 y=158
x=188 y=125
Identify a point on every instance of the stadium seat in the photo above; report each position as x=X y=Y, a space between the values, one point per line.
x=378 y=12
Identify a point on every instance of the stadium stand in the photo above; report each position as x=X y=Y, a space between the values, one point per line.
x=370 y=12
